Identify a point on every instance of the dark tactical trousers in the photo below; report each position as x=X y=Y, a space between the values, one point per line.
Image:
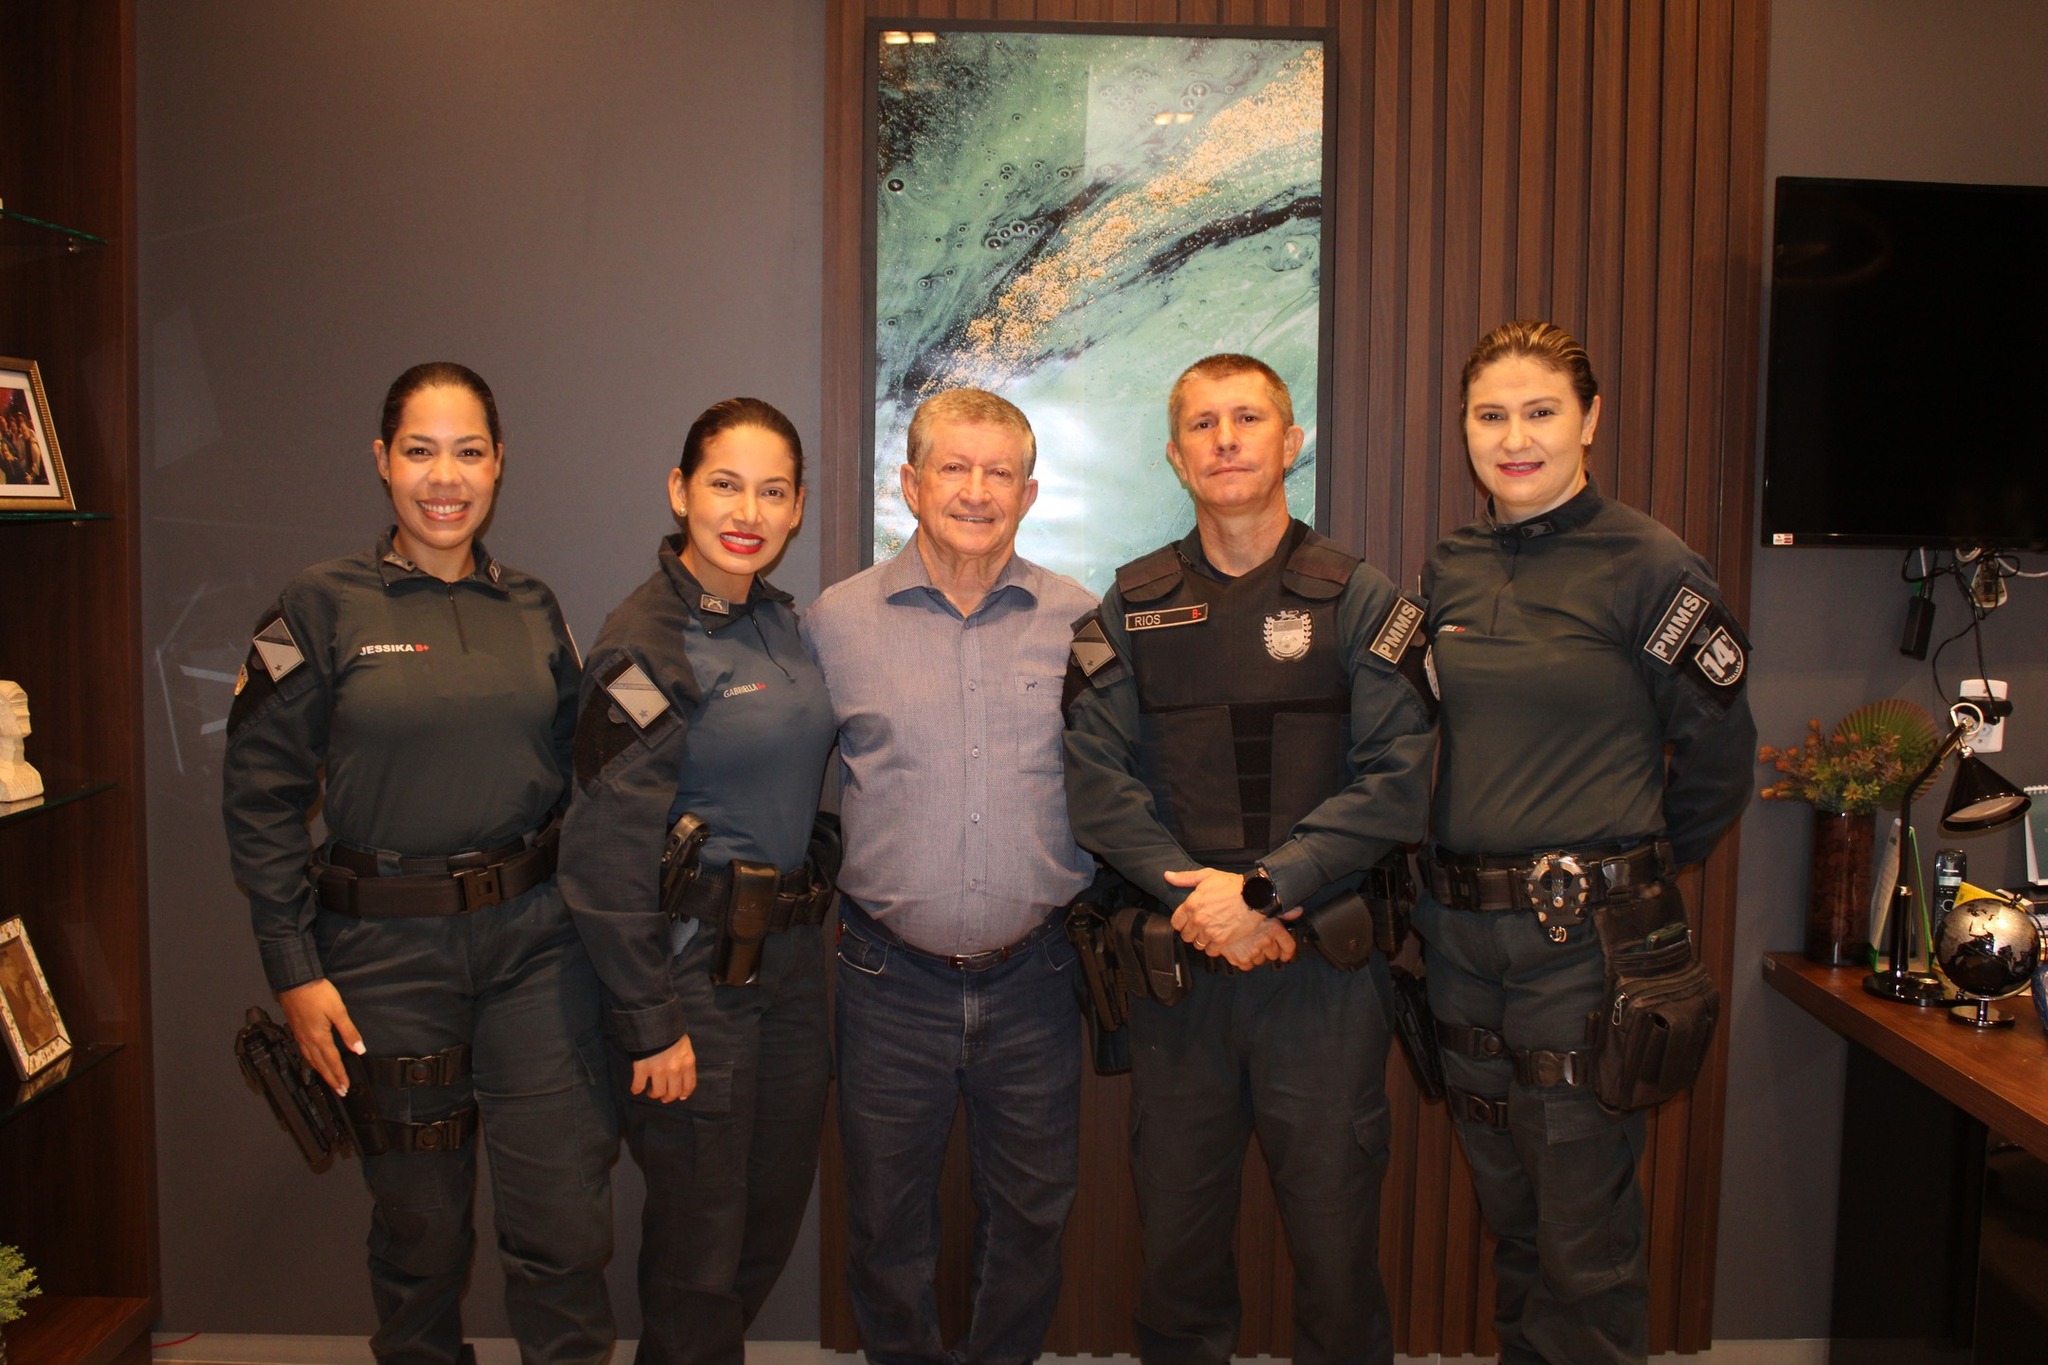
x=1298 y=1056
x=729 y=1169
x=512 y=981
x=1557 y=1186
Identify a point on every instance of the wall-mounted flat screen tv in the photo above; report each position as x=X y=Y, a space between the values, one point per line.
x=1908 y=376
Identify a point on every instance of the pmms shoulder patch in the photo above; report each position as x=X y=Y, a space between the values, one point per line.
x=1676 y=626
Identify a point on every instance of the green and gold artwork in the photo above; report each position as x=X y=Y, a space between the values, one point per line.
x=1070 y=220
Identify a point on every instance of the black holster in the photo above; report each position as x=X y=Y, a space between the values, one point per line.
x=679 y=860
x=1100 y=987
x=1651 y=1036
x=1155 y=959
x=1349 y=925
x=1415 y=1026
x=317 y=1120
x=744 y=927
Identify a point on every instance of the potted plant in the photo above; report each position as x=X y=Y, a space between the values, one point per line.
x=17 y=1283
x=1861 y=766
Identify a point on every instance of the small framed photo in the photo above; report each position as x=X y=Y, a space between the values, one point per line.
x=32 y=477
x=28 y=1012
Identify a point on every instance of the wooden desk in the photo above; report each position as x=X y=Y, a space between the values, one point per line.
x=1941 y=1231
x=1998 y=1076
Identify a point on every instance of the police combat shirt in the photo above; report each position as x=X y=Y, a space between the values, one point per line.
x=1380 y=805
x=949 y=742
x=441 y=714
x=1570 y=649
x=690 y=703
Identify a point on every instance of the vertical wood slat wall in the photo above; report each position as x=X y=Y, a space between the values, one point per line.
x=1597 y=162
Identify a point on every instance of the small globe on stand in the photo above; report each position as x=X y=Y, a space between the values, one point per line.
x=1989 y=947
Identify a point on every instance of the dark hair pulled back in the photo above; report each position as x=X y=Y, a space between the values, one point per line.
x=437 y=374
x=1546 y=343
x=720 y=418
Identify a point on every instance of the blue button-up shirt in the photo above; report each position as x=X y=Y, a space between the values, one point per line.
x=953 y=801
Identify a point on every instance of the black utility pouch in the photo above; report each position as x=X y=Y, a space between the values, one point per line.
x=749 y=911
x=1389 y=890
x=1651 y=1038
x=1344 y=929
x=1154 y=959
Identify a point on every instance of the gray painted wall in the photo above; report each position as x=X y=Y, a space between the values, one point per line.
x=612 y=210
x=1891 y=89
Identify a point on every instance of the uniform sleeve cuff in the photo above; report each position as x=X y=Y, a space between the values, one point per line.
x=1295 y=875
x=642 y=1033
x=290 y=962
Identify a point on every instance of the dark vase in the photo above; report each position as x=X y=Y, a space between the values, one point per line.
x=1838 y=896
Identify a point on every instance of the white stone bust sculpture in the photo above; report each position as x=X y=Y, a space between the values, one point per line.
x=18 y=781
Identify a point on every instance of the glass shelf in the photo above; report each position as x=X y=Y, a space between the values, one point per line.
x=24 y=226
x=55 y=794
x=66 y=1069
x=56 y=516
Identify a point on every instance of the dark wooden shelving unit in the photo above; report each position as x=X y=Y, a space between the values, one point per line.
x=78 y=1159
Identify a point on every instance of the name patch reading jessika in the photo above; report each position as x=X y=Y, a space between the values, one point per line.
x=1681 y=618
x=393 y=649
x=1172 y=616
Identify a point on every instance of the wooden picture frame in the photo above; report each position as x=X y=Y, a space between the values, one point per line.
x=34 y=1028
x=32 y=477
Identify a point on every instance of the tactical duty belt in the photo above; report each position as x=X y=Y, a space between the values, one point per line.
x=348 y=880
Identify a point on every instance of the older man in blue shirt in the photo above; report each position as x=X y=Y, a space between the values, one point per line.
x=945 y=665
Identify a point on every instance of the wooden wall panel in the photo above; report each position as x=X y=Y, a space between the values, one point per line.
x=1598 y=162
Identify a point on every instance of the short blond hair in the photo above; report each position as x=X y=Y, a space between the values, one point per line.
x=973 y=407
x=1223 y=366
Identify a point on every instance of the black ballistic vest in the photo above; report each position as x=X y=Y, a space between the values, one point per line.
x=1244 y=700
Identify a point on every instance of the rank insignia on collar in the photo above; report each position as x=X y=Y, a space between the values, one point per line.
x=1172 y=616
x=716 y=606
x=277 y=649
x=635 y=694
x=1287 y=634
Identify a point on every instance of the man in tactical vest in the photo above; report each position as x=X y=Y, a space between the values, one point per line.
x=1248 y=733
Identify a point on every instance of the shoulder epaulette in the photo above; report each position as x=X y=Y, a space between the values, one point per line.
x=1319 y=568
x=1152 y=577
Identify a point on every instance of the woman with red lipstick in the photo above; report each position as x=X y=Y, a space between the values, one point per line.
x=424 y=695
x=702 y=708
x=1577 y=642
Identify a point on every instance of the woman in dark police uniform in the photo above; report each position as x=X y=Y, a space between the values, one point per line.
x=434 y=690
x=1575 y=642
x=704 y=718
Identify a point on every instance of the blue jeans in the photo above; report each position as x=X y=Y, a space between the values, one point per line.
x=916 y=1037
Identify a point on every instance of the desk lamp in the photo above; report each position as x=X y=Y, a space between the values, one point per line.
x=1979 y=800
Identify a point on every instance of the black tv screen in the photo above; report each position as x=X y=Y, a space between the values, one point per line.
x=1908 y=365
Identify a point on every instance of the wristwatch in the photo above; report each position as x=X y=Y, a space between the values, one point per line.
x=1259 y=893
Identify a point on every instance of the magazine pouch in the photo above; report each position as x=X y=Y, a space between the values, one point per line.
x=1651 y=1038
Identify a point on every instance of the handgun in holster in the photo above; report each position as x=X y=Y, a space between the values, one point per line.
x=1415 y=1025
x=679 y=860
x=318 y=1121
x=743 y=927
x=1100 y=987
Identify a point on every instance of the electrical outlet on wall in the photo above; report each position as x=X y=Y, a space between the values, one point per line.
x=1991 y=738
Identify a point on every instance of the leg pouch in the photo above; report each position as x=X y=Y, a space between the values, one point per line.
x=1652 y=1034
